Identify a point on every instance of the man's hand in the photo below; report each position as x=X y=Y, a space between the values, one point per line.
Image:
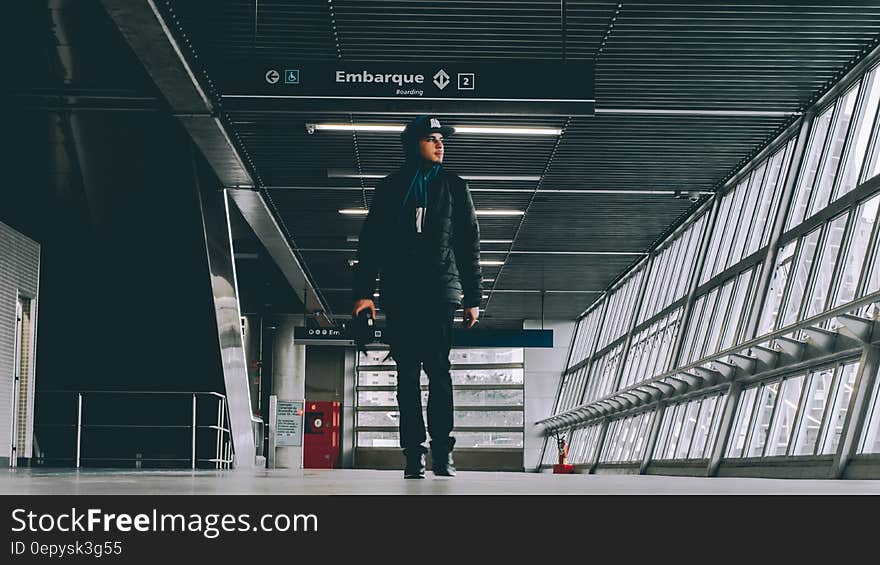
x=362 y=304
x=470 y=316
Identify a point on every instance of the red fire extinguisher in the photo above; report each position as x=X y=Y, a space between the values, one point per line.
x=562 y=468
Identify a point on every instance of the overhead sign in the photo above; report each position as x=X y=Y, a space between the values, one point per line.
x=546 y=82
x=461 y=337
x=289 y=422
x=326 y=336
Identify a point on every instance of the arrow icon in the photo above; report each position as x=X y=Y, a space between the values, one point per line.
x=441 y=79
x=272 y=76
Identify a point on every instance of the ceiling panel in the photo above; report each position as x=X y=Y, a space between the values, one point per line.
x=560 y=272
x=625 y=152
x=529 y=306
x=597 y=222
x=729 y=55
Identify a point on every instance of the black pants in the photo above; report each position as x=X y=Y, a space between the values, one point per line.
x=421 y=336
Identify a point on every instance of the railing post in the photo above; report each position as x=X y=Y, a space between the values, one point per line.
x=219 y=431
x=226 y=433
x=273 y=419
x=79 y=410
x=194 y=432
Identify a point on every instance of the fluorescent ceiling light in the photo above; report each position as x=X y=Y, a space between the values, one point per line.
x=608 y=191
x=501 y=130
x=488 y=280
x=623 y=191
x=491 y=263
x=500 y=212
x=354 y=211
x=352 y=238
x=496 y=241
x=502 y=177
x=356 y=127
x=396 y=128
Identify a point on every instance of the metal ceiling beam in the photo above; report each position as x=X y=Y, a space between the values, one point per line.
x=146 y=31
x=505 y=252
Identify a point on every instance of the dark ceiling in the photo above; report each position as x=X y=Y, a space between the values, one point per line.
x=650 y=57
x=660 y=66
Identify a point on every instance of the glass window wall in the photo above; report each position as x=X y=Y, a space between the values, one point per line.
x=829 y=255
x=651 y=350
x=814 y=402
x=767 y=397
x=739 y=432
x=785 y=416
x=800 y=415
x=809 y=167
x=688 y=429
x=625 y=440
x=718 y=319
x=845 y=380
x=602 y=373
x=827 y=267
x=861 y=134
x=870 y=440
x=842 y=151
x=621 y=308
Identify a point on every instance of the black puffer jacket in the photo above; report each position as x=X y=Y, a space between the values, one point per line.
x=440 y=264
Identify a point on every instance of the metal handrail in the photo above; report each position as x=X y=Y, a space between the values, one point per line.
x=866 y=300
x=223 y=456
x=168 y=392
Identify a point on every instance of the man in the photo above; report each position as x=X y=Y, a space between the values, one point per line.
x=422 y=236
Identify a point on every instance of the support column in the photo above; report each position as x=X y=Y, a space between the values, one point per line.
x=857 y=410
x=652 y=438
x=599 y=441
x=288 y=380
x=217 y=232
x=349 y=393
x=730 y=406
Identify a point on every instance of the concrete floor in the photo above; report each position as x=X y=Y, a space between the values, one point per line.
x=357 y=481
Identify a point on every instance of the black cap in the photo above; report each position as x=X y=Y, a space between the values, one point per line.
x=421 y=126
